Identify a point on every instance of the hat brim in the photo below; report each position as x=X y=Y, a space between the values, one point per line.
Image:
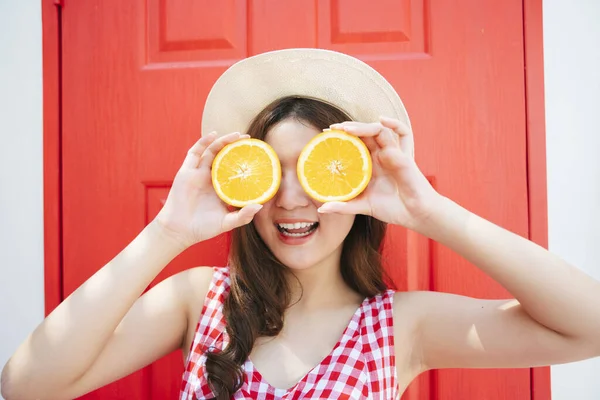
x=251 y=84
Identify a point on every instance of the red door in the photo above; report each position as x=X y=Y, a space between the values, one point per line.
x=135 y=77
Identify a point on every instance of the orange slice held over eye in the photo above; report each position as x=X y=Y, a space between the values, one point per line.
x=245 y=172
x=334 y=166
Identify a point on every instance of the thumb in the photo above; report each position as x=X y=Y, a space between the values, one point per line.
x=359 y=206
x=241 y=217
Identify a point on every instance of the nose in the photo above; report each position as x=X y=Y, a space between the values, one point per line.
x=291 y=195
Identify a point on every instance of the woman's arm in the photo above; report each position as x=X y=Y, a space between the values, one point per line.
x=554 y=319
x=554 y=293
x=82 y=343
x=67 y=343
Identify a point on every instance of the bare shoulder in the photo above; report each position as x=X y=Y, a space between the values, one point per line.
x=193 y=284
x=408 y=309
x=407 y=314
x=164 y=312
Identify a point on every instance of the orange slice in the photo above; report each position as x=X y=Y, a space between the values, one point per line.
x=334 y=166
x=246 y=171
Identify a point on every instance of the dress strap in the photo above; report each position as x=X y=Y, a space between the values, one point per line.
x=209 y=330
x=211 y=324
x=377 y=333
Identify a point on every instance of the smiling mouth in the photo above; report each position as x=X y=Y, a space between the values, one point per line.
x=297 y=229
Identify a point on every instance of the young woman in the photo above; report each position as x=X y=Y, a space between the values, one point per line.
x=302 y=310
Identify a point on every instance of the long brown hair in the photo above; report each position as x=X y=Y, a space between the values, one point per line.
x=259 y=292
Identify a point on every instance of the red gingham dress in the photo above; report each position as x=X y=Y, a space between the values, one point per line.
x=360 y=366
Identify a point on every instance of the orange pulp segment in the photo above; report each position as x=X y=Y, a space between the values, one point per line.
x=334 y=166
x=246 y=171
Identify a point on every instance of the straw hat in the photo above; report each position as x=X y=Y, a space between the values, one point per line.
x=251 y=84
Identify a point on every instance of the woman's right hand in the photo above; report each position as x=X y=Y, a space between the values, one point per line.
x=193 y=212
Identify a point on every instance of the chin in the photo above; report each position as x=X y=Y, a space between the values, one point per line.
x=320 y=250
x=297 y=263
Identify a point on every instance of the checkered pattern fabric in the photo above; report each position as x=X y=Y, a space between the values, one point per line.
x=360 y=366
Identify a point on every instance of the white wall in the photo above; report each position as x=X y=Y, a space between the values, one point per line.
x=21 y=236
x=572 y=73
x=572 y=52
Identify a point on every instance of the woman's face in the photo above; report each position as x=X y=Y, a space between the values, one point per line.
x=289 y=223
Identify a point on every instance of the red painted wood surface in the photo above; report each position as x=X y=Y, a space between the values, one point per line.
x=536 y=150
x=135 y=79
x=52 y=168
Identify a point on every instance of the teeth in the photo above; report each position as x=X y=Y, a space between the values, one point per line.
x=285 y=228
x=296 y=225
x=296 y=234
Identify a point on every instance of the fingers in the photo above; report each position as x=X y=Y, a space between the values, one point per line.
x=382 y=135
x=387 y=132
x=195 y=152
x=371 y=144
x=353 y=207
x=361 y=129
x=396 y=125
x=217 y=145
x=407 y=143
x=392 y=159
x=244 y=216
x=387 y=138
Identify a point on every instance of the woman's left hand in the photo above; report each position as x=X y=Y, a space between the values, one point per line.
x=398 y=192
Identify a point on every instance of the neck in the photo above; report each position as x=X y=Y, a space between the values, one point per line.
x=320 y=286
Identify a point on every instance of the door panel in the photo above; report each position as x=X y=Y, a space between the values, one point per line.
x=136 y=75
